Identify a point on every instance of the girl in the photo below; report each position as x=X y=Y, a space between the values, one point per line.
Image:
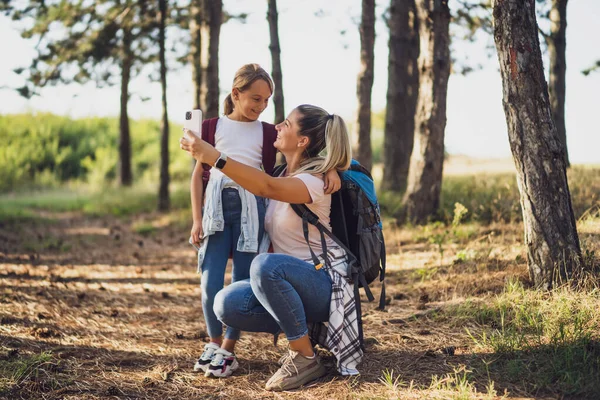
x=231 y=221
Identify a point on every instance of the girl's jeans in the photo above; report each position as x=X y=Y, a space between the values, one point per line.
x=282 y=294
x=220 y=246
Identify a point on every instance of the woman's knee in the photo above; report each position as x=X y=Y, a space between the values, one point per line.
x=263 y=266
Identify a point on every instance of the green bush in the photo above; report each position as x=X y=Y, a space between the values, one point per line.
x=495 y=197
x=46 y=150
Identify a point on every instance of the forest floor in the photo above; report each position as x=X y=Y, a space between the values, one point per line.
x=104 y=306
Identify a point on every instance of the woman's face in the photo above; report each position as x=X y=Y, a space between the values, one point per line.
x=250 y=103
x=287 y=134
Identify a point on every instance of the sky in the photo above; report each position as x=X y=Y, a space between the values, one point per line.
x=320 y=66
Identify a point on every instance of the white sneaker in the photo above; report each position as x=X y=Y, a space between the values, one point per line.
x=206 y=357
x=222 y=365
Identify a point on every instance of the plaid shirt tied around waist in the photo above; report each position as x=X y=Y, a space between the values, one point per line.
x=340 y=334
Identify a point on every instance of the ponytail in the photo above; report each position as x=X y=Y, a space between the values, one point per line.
x=325 y=131
x=228 y=104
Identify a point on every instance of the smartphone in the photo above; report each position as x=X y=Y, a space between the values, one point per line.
x=193 y=122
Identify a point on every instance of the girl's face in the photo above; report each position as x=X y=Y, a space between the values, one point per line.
x=288 y=137
x=249 y=104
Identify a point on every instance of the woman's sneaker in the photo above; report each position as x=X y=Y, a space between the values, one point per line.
x=222 y=365
x=206 y=357
x=295 y=372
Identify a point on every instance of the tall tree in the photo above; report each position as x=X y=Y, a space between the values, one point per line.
x=94 y=40
x=163 y=191
x=422 y=197
x=557 y=45
x=195 y=57
x=554 y=11
x=211 y=32
x=126 y=62
x=363 y=151
x=205 y=26
x=553 y=250
x=276 y=61
x=402 y=94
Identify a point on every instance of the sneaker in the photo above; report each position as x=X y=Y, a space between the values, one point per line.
x=206 y=357
x=222 y=365
x=295 y=372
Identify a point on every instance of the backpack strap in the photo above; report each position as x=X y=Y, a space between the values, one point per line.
x=310 y=217
x=269 y=152
x=382 y=275
x=209 y=128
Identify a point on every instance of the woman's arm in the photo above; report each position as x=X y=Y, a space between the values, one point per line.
x=289 y=189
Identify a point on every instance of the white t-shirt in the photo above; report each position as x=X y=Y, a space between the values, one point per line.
x=242 y=141
x=284 y=226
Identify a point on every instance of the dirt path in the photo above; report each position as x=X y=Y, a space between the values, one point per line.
x=120 y=313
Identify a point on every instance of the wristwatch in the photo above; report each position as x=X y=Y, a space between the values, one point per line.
x=221 y=161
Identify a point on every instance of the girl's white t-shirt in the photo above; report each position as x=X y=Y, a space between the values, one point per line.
x=284 y=226
x=242 y=141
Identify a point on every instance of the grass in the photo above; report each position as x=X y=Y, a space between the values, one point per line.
x=119 y=202
x=546 y=341
x=36 y=371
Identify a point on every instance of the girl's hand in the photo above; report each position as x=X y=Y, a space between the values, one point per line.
x=332 y=180
x=196 y=233
x=198 y=148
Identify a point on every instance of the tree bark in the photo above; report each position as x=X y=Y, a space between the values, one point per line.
x=163 y=191
x=195 y=49
x=362 y=130
x=124 y=136
x=211 y=30
x=553 y=251
x=403 y=88
x=276 y=62
x=422 y=197
x=557 y=45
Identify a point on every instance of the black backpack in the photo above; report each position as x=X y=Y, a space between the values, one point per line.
x=356 y=224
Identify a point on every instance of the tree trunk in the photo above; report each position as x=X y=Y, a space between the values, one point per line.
x=124 y=137
x=422 y=197
x=163 y=191
x=362 y=129
x=557 y=45
x=403 y=88
x=276 y=62
x=195 y=49
x=211 y=30
x=553 y=251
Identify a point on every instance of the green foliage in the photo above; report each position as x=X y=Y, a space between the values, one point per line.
x=47 y=150
x=547 y=340
x=115 y=201
x=391 y=381
x=459 y=386
x=490 y=198
x=15 y=369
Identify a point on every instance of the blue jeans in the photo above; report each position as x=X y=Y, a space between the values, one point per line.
x=220 y=246
x=282 y=294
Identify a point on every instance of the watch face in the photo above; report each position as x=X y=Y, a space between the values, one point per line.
x=220 y=163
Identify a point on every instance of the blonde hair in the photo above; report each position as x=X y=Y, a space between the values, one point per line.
x=243 y=79
x=325 y=131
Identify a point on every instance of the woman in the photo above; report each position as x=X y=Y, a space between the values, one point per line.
x=290 y=290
